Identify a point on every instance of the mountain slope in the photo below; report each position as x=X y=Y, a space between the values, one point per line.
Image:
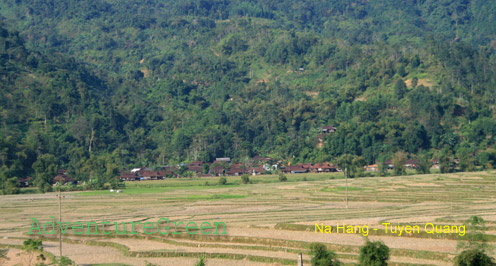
x=125 y=83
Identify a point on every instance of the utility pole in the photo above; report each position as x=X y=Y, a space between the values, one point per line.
x=300 y=259
x=60 y=224
x=346 y=180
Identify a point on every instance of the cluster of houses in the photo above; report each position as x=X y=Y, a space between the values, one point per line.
x=220 y=167
x=310 y=168
x=259 y=165
x=60 y=178
x=223 y=167
x=410 y=164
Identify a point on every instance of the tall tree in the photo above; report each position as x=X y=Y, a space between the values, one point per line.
x=400 y=89
x=399 y=160
x=445 y=161
x=45 y=168
x=424 y=164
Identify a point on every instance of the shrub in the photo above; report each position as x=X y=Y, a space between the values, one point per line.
x=65 y=261
x=32 y=245
x=245 y=179
x=374 y=254
x=383 y=167
x=222 y=181
x=399 y=160
x=201 y=262
x=322 y=256
x=445 y=161
x=424 y=164
x=282 y=177
x=473 y=257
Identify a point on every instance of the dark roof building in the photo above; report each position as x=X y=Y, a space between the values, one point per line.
x=328 y=129
x=63 y=179
x=295 y=169
x=236 y=171
x=323 y=167
x=217 y=170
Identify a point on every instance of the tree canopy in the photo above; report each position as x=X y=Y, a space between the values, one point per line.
x=106 y=85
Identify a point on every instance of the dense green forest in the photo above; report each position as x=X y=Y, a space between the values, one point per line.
x=95 y=86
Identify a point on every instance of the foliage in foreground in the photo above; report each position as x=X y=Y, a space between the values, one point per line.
x=65 y=261
x=474 y=244
x=201 y=262
x=474 y=257
x=374 y=254
x=32 y=245
x=322 y=256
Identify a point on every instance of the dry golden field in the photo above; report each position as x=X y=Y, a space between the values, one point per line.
x=267 y=222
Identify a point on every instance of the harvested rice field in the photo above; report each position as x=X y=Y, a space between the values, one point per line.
x=266 y=222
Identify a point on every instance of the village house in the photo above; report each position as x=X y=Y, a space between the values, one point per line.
x=62 y=178
x=217 y=170
x=226 y=159
x=24 y=182
x=195 y=167
x=260 y=159
x=256 y=170
x=236 y=171
x=141 y=174
x=196 y=163
x=307 y=166
x=297 y=169
x=372 y=168
x=389 y=164
x=322 y=168
x=411 y=163
x=170 y=171
x=151 y=175
x=328 y=129
x=129 y=176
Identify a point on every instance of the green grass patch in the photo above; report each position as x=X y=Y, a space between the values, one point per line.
x=208 y=197
x=147 y=190
x=3 y=253
x=29 y=190
x=173 y=184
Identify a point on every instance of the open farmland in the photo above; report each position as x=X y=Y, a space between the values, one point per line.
x=267 y=222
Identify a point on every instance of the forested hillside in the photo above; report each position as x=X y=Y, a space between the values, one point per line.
x=94 y=86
